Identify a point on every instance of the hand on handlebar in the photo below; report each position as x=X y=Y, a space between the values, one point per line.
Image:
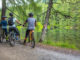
x=20 y=25
x=23 y=25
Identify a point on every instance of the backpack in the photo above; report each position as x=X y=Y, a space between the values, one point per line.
x=10 y=21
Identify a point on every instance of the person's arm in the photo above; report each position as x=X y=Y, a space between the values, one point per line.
x=18 y=21
x=25 y=22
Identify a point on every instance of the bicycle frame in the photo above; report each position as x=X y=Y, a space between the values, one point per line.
x=31 y=37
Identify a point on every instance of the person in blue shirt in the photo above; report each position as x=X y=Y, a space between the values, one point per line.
x=4 y=24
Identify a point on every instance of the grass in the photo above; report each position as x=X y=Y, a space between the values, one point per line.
x=60 y=44
x=48 y=41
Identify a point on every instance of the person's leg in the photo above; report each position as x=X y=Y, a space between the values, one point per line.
x=27 y=33
x=17 y=33
x=10 y=29
x=6 y=33
x=3 y=33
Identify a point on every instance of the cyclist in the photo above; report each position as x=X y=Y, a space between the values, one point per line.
x=4 y=25
x=12 y=26
x=31 y=26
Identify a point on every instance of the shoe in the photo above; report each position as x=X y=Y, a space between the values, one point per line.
x=24 y=43
x=7 y=41
x=17 y=38
x=0 y=41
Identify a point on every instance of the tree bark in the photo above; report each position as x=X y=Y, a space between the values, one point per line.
x=3 y=12
x=46 y=20
x=3 y=8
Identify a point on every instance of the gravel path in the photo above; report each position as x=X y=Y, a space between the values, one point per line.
x=20 y=52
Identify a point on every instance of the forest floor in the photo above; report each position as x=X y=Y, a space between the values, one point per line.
x=40 y=52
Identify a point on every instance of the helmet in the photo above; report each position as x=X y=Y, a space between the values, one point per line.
x=11 y=14
x=4 y=17
x=30 y=14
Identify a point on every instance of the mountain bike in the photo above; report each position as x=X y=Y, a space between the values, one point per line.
x=13 y=38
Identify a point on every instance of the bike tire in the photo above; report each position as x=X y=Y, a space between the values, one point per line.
x=33 y=43
x=1 y=39
x=32 y=40
x=12 y=40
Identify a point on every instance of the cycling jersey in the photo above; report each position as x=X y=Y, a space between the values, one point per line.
x=31 y=23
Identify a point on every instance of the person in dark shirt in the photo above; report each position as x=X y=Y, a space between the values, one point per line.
x=4 y=24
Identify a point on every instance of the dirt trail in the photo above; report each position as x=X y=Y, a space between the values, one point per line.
x=20 y=52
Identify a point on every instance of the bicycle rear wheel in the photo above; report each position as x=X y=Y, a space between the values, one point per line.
x=12 y=42
x=32 y=40
x=33 y=43
x=12 y=39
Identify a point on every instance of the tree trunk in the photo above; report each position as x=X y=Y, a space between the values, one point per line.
x=3 y=8
x=3 y=11
x=46 y=20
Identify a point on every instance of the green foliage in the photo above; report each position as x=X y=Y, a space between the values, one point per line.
x=24 y=8
x=63 y=28
x=60 y=44
x=39 y=27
